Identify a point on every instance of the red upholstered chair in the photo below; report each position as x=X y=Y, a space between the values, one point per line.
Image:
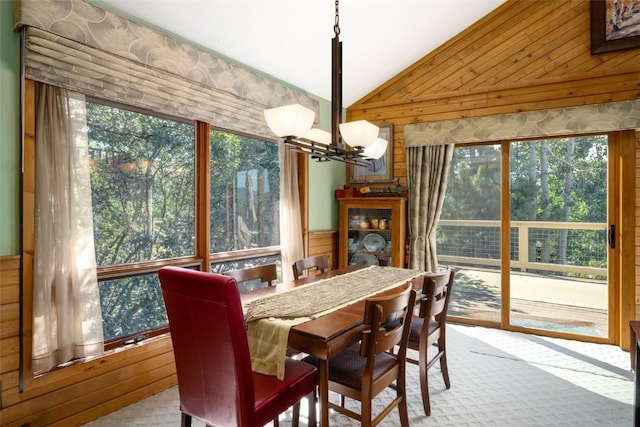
x=428 y=330
x=213 y=365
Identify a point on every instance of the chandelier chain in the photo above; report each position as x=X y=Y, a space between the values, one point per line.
x=336 y=26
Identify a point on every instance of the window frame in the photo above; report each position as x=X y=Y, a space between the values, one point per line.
x=201 y=260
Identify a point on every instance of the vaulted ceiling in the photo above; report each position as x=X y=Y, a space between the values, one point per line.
x=291 y=39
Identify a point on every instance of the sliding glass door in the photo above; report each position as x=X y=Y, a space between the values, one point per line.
x=468 y=236
x=558 y=233
x=525 y=226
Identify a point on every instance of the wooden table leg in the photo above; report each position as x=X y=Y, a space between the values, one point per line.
x=323 y=391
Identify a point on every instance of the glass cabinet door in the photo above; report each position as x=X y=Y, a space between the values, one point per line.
x=369 y=236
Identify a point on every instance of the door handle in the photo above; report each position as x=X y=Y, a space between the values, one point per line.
x=611 y=236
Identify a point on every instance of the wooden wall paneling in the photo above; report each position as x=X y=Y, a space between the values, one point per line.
x=9 y=298
x=9 y=327
x=544 y=94
x=555 y=60
x=77 y=373
x=10 y=353
x=324 y=243
x=9 y=279
x=9 y=324
x=115 y=386
x=9 y=321
x=511 y=46
x=549 y=38
x=620 y=88
x=437 y=66
x=92 y=413
x=99 y=386
x=628 y=63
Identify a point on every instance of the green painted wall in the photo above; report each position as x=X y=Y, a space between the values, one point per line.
x=10 y=164
x=323 y=177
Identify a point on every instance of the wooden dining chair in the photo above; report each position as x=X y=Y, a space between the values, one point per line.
x=303 y=266
x=211 y=351
x=267 y=273
x=428 y=330
x=365 y=369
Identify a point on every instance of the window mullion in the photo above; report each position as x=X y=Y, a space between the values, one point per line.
x=203 y=183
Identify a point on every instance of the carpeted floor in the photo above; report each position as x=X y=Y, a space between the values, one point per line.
x=498 y=378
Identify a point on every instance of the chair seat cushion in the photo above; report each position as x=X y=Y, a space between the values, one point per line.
x=348 y=366
x=274 y=396
x=416 y=327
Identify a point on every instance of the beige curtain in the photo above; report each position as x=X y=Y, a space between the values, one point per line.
x=67 y=320
x=290 y=224
x=428 y=167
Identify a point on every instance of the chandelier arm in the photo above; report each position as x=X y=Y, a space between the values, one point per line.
x=323 y=152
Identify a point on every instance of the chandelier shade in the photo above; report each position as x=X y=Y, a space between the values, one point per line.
x=360 y=133
x=319 y=135
x=289 y=120
x=375 y=150
x=351 y=142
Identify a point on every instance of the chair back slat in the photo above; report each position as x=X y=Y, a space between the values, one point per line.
x=434 y=301
x=318 y=262
x=267 y=273
x=387 y=318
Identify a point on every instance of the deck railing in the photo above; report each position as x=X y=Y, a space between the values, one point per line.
x=568 y=248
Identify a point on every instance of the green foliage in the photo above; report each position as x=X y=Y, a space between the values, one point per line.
x=556 y=180
x=245 y=186
x=142 y=181
x=143 y=196
x=473 y=189
x=131 y=305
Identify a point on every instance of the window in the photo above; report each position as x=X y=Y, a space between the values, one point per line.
x=143 y=185
x=143 y=181
x=143 y=198
x=245 y=193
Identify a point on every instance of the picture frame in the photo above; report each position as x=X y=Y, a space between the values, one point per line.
x=380 y=170
x=612 y=27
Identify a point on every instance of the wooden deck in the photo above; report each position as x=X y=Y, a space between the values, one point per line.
x=538 y=302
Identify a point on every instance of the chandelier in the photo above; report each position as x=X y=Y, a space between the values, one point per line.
x=352 y=142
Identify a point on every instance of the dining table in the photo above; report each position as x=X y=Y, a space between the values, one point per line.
x=329 y=328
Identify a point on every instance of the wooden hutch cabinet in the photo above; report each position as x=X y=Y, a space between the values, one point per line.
x=372 y=231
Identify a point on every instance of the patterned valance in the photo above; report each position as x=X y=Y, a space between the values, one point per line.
x=73 y=44
x=535 y=124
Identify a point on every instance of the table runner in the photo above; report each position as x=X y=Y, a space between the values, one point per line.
x=270 y=318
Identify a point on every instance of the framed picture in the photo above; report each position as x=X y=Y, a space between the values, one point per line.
x=614 y=25
x=379 y=170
